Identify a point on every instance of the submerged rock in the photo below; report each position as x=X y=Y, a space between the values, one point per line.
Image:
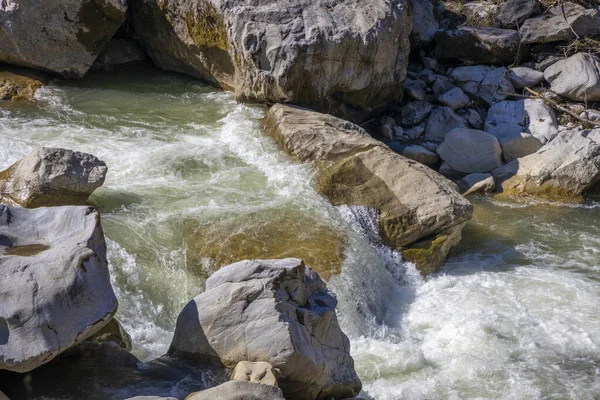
x=567 y=167
x=52 y=177
x=413 y=201
x=345 y=57
x=576 y=78
x=74 y=33
x=55 y=290
x=239 y=390
x=277 y=311
x=552 y=26
x=19 y=84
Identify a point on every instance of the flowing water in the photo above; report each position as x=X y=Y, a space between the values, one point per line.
x=513 y=315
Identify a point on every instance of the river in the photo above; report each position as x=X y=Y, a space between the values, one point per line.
x=514 y=313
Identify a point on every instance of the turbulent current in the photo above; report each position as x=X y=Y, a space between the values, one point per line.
x=514 y=313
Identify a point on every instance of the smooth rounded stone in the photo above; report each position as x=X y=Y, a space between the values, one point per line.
x=476 y=183
x=455 y=99
x=113 y=332
x=470 y=150
x=239 y=390
x=591 y=115
x=521 y=77
x=75 y=32
x=413 y=90
x=259 y=372
x=415 y=152
x=55 y=291
x=424 y=23
x=484 y=82
x=345 y=57
x=121 y=51
x=413 y=201
x=567 y=167
x=414 y=113
x=576 y=78
x=277 y=311
x=552 y=25
x=441 y=121
x=522 y=127
x=479 y=10
x=513 y=13
x=52 y=177
x=477 y=45
x=19 y=84
x=472 y=117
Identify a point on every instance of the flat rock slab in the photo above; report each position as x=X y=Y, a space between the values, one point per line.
x=413 y=201
x=276 y=311
x=55 y=290
x=75 y=32
x=567 y=167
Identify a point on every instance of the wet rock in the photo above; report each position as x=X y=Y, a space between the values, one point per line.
x=576 y=78
x=259 y=372
x=567 y=167
x=552 y=26
x=522 y=127
x=478 y=45
x=19 y=84
x=513 y=13
x=413 y=90
x=344 y=58
x=521 y=77
x=52 y=177
x=484 y=82
x=112 y=332
x=414 y=113
x=121 y=51
x=425 y=23
x=415 y=152
x=441 y=121
x=75 y=32
x=55 y=291
x=239 y=390
x=455 y=99
x=470 y=150
x=277 y=311
x=355 y=169
x=476 y=183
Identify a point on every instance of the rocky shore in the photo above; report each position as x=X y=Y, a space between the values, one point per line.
x=401 y=107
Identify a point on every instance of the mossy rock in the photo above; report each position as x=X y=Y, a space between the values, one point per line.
x=19 y=84
x=206 y=26
x=429 y=254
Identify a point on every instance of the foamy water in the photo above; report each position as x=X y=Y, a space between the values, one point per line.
x=513 y=315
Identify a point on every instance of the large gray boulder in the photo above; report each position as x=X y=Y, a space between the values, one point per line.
x=552 y=26
x=342 y=56
x=52 y=177
x=567 y=167
x=576 y=78
x=55 y=289
x=239 y=390
x=63 y=37
x=420 y=212
x=522 y=127
x=478 y=45
x=470 y=150
x=277 y=311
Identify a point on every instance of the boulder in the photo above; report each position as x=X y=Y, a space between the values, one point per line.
x=552 y=26
x=74 y=33
x=414 y=113
x=476 y=183
x=413 y=90
x=413 y=201
x=512 y=13
x=415 y=152
x=477 y=45
x=52 y=177
x=441 y=121
x=19 y=84
x=277 y=311
x=470 y=150
x=238 y=390
x=521 y=77
x=567 y=167
x=479 y=11
x=121 y=51
x=259 y=372
x=455 y=99
x=55 y=291
x=345 y=57
x=424 y=23
x=576 y=78
x=522 y=127
x=113 y=332
x=484 y=82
